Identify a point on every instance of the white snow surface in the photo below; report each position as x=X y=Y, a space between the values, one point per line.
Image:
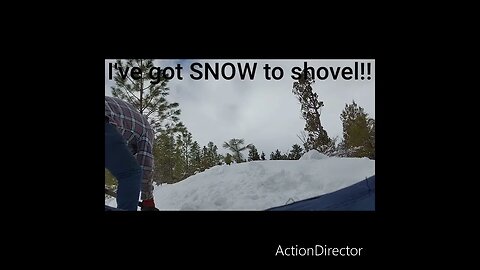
x=313 y=154
x=259 y=185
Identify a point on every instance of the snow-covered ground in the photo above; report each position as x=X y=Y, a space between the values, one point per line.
x=259 y=185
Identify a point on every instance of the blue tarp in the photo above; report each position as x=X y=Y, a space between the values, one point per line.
x=357 y=197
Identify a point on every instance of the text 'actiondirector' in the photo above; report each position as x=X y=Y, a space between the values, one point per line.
x=318 y=250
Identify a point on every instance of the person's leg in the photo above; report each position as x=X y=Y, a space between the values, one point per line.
x=123 y=165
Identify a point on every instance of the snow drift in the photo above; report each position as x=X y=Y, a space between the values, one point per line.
x=260 y=185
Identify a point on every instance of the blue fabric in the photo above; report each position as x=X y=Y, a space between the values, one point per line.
x=123 y=165
x=357 y=197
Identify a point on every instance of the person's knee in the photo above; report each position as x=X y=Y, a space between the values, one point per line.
x=138 y=172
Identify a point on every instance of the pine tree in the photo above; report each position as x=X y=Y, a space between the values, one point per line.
x=317 y=137
x=236 y=146
x=262 y=156
x=205 y=161
x=184 y=142
x=146 y=94
x=253 y=153
x=179 y=170
x=195 y=158
x=296 y=152
x=210 y=157
x=213 y=157
x=228 y=159
x=272 y=155
x=371 y=139
x=221 y=159
x=278 y=155
x=164 y=152
x=358 y=132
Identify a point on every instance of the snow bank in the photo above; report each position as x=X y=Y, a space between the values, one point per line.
x=260 y=185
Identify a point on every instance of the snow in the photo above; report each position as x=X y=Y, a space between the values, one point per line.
x=313 y=154
x=259 y=185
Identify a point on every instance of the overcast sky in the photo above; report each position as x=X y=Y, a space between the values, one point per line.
x=263 y=112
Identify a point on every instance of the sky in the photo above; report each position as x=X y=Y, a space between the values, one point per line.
x=260 y=185
x=262 y=112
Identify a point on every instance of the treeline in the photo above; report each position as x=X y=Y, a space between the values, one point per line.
x=177 y=157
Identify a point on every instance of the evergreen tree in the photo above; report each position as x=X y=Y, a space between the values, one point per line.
x=148 y=95
x=296 y=152
x=205 y=161
x=213 y=157
x=278 y=155
x=262 y=156
x=272 y=156
x=236 y=146
x=195 y=159
x=371 y=141
x=358 y=132
x=221 y=159
x=228 y=159
x=253 y=153
x=165 y=159
x=179 y=164
x=184 y=142
x=317 y=137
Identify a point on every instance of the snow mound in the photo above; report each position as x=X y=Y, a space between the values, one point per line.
x=313 y=154
x=259 y=185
